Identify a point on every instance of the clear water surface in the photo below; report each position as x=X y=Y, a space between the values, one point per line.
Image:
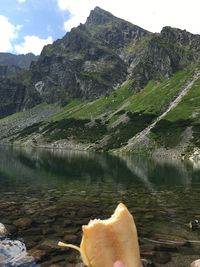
x=47 y=195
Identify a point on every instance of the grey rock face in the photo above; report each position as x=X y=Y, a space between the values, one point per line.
x=21 y=61
x=87 y=62
x=94 y=58
x=12 y=96
x=112 y=31
x=11 y=65
x=182 y=37
x=6 y=70
x=166 y=53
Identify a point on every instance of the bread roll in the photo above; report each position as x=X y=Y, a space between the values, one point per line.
x=106 y=241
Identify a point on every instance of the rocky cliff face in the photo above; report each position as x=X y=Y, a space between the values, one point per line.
x=166 y=53
x=14 y=92
x=88 y=61
x=99 y=55
x=12 y=96
x=7 y=71
x=11 y=65
x=15 y=95
x=21 y=61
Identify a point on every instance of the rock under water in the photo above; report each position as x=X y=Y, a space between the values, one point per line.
x=13 y=253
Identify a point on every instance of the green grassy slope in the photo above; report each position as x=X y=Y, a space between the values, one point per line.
x=170 y=131
x=120 y=115
x=106 y=104
x=155 y=96
x=189 y=108
x=152 y=99
x=40 y=111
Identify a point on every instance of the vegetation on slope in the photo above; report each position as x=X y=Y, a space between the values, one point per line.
x=155 y=96
x=189 y=107
x=110 y=121
x=106 y=104
x=170 y=131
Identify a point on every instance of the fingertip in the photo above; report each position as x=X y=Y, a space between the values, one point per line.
x=118 y=264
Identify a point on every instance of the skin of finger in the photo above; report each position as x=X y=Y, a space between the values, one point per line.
x=118 y=264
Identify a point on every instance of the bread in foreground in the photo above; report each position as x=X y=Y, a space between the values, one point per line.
x=106 y=241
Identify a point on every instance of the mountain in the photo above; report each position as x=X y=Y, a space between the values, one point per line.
x=12 y=64
x=13 y=80
x=108 y=85
x=88 y=61
x=21 y=61
x=97 y=56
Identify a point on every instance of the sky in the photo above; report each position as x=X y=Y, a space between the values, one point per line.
x=27 y=25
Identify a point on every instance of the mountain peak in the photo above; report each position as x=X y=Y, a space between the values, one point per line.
x=180 y=36
x=99 y=16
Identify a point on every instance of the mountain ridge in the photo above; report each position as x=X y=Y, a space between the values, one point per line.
x=94 y=58
x=110 y=80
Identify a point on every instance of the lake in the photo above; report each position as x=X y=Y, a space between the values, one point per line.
x=47 y=195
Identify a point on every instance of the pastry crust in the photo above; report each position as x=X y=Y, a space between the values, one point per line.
x=106 y=241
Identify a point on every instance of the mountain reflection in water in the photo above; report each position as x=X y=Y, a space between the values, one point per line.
x=57 y=191
x=52 y=167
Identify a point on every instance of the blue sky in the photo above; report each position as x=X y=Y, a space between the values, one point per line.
x=39 y=18
x=28 y=25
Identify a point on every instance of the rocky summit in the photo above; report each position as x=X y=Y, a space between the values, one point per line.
x=108 y=84
x=88 y=61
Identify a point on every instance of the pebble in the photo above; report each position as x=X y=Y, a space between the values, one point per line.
x=49 y=245
x=23 y=222
x=3 y=231
x=195 y=263
x=37 y=254
x=48 y=231
x=147 y=263
x=161 y=257
x=69 y=238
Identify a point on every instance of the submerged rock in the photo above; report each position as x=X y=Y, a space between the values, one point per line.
x=70 y=238
x=37 y=254
x=23 y=222
x=3 y=231
x=194 y=225
x=195 y=263
x=147 y=263
x=13 y=253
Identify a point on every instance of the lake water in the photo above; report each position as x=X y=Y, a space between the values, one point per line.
x=46 y=196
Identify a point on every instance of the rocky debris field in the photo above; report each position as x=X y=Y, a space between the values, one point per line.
x=11 y=127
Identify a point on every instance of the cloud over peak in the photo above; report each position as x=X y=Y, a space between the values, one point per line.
x=32 y=44
x=8 y=32
x=79 y=11
x=151 y=15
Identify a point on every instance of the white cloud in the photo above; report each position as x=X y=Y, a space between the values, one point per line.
x=151 y=15
x=32 y=44
x=79 y=11
x=21 y=1
x=8 y=32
